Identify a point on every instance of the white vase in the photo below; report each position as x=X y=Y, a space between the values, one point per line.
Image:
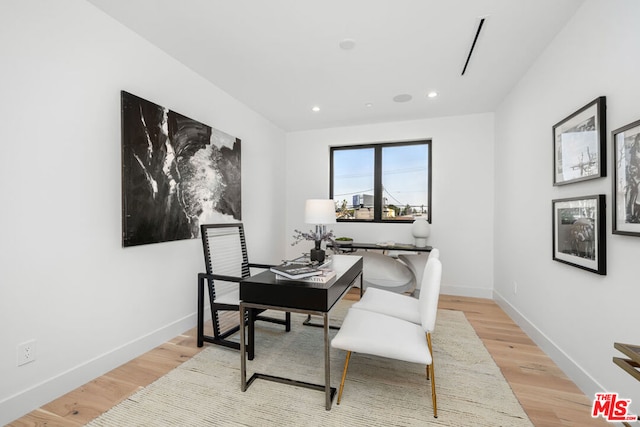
x=421 y=229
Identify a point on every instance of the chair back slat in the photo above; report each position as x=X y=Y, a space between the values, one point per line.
x=430 y=293
x=225 y=249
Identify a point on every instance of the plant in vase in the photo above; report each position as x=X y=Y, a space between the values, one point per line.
x=321 y=233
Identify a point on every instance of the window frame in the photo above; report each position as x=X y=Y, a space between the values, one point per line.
x=377 y=179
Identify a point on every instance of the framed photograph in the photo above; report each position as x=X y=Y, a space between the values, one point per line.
x=578 y=233
x=626 y=180
x=579 y=145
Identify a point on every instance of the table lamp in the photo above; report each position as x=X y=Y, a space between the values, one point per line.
x=421 y=229
x=319 y=212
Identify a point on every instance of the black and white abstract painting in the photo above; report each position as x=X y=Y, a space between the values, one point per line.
x=177 y=173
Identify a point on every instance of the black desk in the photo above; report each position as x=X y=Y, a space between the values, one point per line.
x=264 y=291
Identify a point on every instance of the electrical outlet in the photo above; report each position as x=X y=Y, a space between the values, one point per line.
x=26 y=352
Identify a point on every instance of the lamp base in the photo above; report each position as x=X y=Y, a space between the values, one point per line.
x=317 y=255
x=420 y=242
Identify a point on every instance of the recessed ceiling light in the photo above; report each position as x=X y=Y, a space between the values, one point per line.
x=432 y=94
x=315 y=108
x=347 y=44
x=368 y=105
x=404 y=97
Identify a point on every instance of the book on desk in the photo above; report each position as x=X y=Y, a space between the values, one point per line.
x=304 y=271
x=324 y=276
x=295 y=270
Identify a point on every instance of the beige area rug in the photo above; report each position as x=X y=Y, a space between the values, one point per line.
x=205 y=390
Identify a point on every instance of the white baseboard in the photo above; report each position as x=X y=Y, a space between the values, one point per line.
x=585 y=382
x=22 y=403
x=463 y=291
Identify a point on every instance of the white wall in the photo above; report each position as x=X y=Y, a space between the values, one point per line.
x=462 y=199
x=574 y=315
x=65 y=279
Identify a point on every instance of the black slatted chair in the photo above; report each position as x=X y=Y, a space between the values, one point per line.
x=227 y=263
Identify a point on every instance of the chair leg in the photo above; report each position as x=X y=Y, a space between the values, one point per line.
x=433 y=390
x=430 y=352
x=287 y=319
x=344 y=375
x=432 y=376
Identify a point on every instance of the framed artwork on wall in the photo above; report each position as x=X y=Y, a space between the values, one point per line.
x=579 y=144
x=578 y=232
x=626 y=179
x=177 y=173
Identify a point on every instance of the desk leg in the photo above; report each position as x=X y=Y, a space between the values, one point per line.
x=252 y=336
x=327 y=371
x=243 y=361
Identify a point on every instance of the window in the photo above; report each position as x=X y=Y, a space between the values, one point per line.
x=388 y=182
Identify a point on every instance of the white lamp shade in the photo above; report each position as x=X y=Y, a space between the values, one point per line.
x=320 y=211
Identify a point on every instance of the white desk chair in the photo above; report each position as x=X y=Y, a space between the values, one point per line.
x=368 y=332
x=393 y=304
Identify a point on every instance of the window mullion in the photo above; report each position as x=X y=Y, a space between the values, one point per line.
x=377 y=180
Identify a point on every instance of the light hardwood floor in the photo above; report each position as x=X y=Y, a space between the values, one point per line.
x=546 y=394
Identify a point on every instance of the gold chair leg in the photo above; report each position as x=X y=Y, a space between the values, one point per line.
x=430 y=351
x=344 y=375
x=433 y=391
x=431 y=370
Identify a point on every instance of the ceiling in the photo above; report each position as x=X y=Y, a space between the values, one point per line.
x=283 y=57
